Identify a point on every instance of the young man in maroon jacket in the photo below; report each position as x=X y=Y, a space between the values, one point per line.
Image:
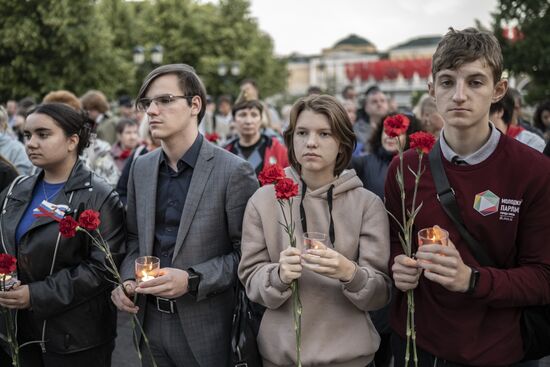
x=468 y=314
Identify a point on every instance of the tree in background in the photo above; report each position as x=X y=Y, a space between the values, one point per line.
x=523 y=29
x=57 y=44
x=206 y=35
x=85 y=44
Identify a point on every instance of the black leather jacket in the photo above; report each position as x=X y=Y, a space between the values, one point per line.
x=69 y=285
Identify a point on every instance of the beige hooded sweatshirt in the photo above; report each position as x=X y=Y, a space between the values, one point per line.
x=336 y=327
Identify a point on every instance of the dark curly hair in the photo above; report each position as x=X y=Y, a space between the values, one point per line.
x=537 y=117
x=69 y=120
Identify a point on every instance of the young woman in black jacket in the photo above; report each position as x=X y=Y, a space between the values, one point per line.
x=63 y=299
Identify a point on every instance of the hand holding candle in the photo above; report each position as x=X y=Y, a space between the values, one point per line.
x=441 y=261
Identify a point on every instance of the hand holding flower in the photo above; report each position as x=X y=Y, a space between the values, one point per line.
x=290 y=267
x=16 y=298
x=406 y=273
x=330 y=263
x=120 y=297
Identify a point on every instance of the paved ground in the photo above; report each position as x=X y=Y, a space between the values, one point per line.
x=125 y=352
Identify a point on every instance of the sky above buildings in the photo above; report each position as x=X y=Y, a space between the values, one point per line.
x=308 y=26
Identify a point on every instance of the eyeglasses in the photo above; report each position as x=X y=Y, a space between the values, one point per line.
x=162 y=100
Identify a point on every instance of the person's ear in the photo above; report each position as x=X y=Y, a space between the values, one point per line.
x=196 y=104
x=73 y=142
x=499 y=90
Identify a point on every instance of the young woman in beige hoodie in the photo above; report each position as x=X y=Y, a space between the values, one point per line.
x=339 y=284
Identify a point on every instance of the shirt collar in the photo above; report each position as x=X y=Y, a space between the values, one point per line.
x=478 y=156
x=190 y=157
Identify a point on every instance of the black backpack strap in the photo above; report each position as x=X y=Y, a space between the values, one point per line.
x=446 y=196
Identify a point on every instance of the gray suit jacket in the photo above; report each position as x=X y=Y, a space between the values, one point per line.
x=208 y=240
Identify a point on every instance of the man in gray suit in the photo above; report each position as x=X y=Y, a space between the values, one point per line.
x=185 y=205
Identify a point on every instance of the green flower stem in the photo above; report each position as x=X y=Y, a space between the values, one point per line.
x=294 y=286
x=406 y=239
x=11 y=336
x=112 y=268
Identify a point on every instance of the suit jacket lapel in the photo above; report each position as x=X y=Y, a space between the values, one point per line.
x=150 y=183
x=201 y=173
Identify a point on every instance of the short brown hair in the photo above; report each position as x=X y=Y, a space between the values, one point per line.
x=189 y=83
x=247 y=105
x=63 y=96
x=94 y=100
x=460 y=47
x=340 y=125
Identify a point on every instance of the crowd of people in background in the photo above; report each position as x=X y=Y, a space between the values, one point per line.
x=318 y=140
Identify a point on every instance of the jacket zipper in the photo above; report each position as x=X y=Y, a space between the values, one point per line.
x=43 y=341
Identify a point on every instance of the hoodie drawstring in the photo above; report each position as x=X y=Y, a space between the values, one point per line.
x=331 y=233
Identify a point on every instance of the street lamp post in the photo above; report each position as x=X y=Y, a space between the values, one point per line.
x=143 y=66
x=230 y=70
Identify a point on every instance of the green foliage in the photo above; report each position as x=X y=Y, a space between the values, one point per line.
x=85 y=44
x=206 y=35
x=530 y=54
x=56 y=44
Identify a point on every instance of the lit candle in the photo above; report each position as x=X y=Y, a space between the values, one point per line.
x=433 y=236
x=147 y=268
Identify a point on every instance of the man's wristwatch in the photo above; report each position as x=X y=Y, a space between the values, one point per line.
x=193 y=281
x=474 y=279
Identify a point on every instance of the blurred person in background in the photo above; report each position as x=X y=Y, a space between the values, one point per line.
x=349 y=94
x=270 y=117
x=541 y=118
x=251 y=144
x=370 y=116
x=12 y=149
x=23 y=107
x=314 y=91
x=432 y=121
x=517 y=117
x=148 y=144
x=127 y=141
x=500 y=114
x=126 y=108
x=11 y=107
x=96 y=105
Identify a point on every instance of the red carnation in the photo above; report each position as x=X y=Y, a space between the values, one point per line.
x=7 y=264
x=214 y=137
x=68 y=226
x=89 y=219
x=125 y=154
x=271 y=174
x=422 y=141
x=286 y=188
x=396 y=125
